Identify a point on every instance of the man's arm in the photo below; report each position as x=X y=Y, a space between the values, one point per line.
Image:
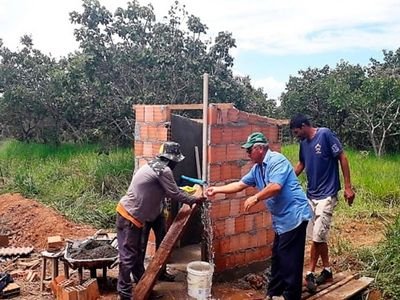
x=227 y=189
x=299 y=168
x=348 y=191
x=272 y=189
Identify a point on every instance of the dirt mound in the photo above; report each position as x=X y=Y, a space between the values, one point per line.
x=30 y=222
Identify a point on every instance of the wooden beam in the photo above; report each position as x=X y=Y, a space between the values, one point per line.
x=150 y=276
x=332 y=287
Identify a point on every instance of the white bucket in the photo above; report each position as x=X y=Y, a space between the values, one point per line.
x=199 y=279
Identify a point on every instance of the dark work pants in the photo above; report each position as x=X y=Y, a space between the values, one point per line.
x=287 y=264
x=159 y=229
x=130 y=262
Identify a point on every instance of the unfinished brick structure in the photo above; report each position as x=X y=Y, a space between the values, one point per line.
x=240 y=240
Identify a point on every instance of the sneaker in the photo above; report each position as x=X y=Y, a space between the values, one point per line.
x=325 y=276
x=167 y=277
x=311 y=283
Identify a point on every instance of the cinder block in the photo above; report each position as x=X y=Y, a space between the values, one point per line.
x=92 y=289
x=161 y=113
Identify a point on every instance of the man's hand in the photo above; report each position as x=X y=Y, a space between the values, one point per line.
x=211 y=191
x=250 y=202
x=349 y=195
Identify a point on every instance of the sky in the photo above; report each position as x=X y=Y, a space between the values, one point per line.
x=275 y=39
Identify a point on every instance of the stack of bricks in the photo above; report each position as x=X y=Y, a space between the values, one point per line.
x=151 y=130
x=240 y=238
x=67 y=289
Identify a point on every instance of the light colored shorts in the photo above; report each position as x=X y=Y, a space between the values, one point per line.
x=318 y=227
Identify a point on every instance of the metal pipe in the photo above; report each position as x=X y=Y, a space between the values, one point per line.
x=205 y=126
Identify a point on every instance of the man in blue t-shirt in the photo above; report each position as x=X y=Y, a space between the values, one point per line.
x=320 y=152
x=279 y=188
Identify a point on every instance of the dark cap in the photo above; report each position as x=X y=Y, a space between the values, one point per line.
x=254 y=138
x=171 y=151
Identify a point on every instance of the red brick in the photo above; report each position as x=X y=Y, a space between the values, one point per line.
x=235 y=152
x=216 y=135
x=156 y=148
x=148 y=149
x=230 y=226
x=69 y=293
x=214 y=173
x=139 y=113
x=138 y=148
x=148 y=113
x=226 y=171
x=237 y=206
x=220 y=262
x=81 y=291
x=239 y=259
x=233 y=115
x=243 y=116
x=161 y=113
x=219 y=228
x=262 y=237
x=240 y=224
x=216 y=153
x=249 y=222
x=92 y=289
x=236 y=243
x=212 y=115
x=270 y=236
x=237 y=135
x=226 y=137
x=220 y=209
x=224 y=245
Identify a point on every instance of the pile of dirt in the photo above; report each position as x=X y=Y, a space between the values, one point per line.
x=30 y=222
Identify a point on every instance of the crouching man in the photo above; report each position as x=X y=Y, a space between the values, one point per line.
x=149 y=186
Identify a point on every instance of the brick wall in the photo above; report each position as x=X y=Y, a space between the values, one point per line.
x=240 y=238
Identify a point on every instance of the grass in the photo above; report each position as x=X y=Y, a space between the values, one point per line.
x=76 y=180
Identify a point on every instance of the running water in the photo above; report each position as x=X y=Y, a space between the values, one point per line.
x=208 y=231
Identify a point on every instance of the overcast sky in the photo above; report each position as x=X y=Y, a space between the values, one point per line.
x=275 y=39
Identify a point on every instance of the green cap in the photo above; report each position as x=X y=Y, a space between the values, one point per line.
x=254 y=138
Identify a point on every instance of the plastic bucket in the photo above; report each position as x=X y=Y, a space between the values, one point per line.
x=199 y=279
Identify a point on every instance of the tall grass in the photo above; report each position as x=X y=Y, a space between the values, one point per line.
x=375 y=180
x=76 y=180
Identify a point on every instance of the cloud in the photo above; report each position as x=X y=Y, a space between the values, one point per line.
x=271 y=86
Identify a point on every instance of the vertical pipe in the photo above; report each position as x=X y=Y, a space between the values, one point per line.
x=205 y=126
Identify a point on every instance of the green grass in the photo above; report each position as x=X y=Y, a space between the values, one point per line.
x=376 y=182
x=76 y=180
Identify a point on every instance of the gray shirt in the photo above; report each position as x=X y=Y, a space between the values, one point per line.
x=147 y=192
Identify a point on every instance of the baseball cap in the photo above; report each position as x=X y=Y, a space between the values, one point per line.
x=254 y=138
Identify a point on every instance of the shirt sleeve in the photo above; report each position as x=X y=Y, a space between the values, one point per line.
x=172 y=190
x=334 y=144
x=279 y=170
x=249 y=178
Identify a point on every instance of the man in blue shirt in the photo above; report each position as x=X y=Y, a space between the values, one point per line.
x=279 y=188
x=320 y=152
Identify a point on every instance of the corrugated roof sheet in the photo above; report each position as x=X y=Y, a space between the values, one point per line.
x=14 y=251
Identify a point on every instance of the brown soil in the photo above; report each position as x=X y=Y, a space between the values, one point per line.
x=30 y=223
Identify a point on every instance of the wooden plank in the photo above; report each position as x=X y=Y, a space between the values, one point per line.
x=323 y=292
x=336 y=278
x=150 y=276
x=349 y=289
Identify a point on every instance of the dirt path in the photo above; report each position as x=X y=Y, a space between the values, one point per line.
x=31 y=222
